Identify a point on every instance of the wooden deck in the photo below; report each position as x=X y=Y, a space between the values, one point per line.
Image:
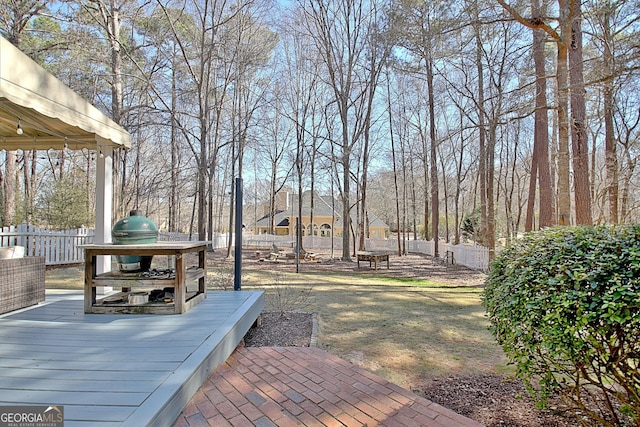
x=118 y=369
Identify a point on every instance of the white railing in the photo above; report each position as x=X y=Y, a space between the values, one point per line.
x=62 y=247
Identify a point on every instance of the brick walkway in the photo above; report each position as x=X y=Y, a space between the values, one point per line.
x=306 y=386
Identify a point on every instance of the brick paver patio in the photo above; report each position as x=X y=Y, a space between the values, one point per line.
x=306 y=386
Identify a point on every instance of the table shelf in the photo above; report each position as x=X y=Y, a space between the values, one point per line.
x=102 y=307
x=134 y=280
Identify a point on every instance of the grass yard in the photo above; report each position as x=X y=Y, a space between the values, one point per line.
x=402 y=331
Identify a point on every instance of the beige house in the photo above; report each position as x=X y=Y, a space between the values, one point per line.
x=327 y=218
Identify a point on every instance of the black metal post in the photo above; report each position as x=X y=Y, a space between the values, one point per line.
x=237 y=265
x=297 y=245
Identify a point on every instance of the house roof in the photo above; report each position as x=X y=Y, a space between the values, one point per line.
x=322 y=208
x=50 y=113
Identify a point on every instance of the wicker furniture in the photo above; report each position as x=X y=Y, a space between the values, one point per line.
x=21 y=283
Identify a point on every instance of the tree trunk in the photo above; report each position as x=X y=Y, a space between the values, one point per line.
x=579 y=145
x=626 y=182
x=540 y=160
x=395 y=168
x=482 y=167
x=28 y=193
x=459 y=179
x=112 y=24
x=403 y=215
x=562 y=74
x=10 y=182
x=346 y=200
x=562 y=40
x=531 y=196
x=414 y=196
x=611 y=157
x=435 y=195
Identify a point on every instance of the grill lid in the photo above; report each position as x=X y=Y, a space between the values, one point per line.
x=135 y=226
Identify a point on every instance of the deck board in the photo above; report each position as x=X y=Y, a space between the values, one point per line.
x=118 y=369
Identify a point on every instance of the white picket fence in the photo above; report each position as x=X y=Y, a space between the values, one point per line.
x=472 y=256
x=62 y=247
x=58 y=247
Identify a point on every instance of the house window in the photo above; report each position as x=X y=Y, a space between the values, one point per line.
x=308 y=230
x=325 y=230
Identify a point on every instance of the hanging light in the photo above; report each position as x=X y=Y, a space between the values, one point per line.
x=19 y=130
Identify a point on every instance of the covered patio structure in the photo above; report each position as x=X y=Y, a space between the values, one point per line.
x=39 y=112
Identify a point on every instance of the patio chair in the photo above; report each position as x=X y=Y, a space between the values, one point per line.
x=275 y=252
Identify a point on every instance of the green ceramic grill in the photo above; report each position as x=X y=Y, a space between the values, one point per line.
x=134 y=230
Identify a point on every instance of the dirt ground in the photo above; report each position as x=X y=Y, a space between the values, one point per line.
x=416 y=266
x=492 y=399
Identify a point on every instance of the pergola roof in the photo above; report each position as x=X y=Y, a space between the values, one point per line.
x=50 y=113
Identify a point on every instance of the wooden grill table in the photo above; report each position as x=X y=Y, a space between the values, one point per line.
x=373 y=257
x=183 y=300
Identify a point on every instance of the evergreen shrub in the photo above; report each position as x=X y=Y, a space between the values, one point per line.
x=564 y=304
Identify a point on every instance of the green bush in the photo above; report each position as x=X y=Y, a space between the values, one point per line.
x=564 y=304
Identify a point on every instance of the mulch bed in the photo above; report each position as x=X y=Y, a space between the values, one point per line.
x=281 y=330
x=493 y=400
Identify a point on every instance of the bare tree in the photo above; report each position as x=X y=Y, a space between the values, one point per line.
x=107 y=15
x=540 y=157
x=628 y=130
x=610 y=33
x=416 y=31
x=15 y=20
x=393 y=159
x=562 y=37
x=251 y=43
x=300 y=82
x=209 y=63
x=378 y=51
x=276 y=148
x=341 y=33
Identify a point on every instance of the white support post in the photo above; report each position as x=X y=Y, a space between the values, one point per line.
x=104 y=205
